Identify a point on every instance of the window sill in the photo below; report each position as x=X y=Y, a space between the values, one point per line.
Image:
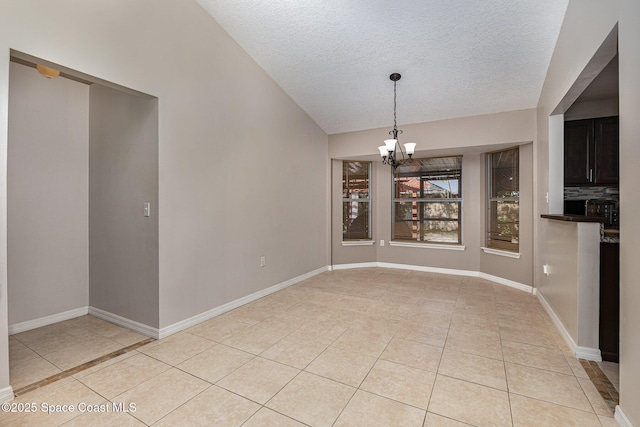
x=447 y=247
x=357 y=242
x=499 y=252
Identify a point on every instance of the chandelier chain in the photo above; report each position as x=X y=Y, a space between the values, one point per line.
x=395 y=122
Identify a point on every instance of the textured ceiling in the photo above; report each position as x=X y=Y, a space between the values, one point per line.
x=457 y=58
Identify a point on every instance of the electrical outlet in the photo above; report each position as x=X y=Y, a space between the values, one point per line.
x=263 y=261
x=381 y=242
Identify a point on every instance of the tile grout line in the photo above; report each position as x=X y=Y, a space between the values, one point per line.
x=504 y=363
x=72 y=371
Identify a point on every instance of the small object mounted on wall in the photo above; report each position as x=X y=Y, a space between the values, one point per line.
x=50 y=73
x=391 y=152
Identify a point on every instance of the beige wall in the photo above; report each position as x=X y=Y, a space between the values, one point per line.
x=48 y=195
x=593 y=109
x=560 y=287
x=123 y=175
x=629 y=37
x=453 y=134
x=469 y=136
x=243 y=171
x=586 y=26
x=572 y=253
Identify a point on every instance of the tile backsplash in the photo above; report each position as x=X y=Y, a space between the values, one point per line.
x=592 y=193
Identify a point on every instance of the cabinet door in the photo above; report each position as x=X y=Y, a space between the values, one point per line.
x=578 y=136
x=609 y=301
x=606 y=151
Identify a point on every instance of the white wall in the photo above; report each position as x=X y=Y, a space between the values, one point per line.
x=467 y=136
x=123 y=175
x=48 y=195
x=243 y=171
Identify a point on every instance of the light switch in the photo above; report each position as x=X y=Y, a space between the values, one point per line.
x=147 y=209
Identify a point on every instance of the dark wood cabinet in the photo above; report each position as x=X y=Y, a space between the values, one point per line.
x=578 y=138
x=591 y=155
x=606 y=154
x=609 y=301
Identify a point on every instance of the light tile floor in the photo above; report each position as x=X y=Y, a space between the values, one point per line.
x=43 y=352
x=365 y=347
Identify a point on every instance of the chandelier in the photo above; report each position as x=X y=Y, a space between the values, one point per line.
x=392 y=153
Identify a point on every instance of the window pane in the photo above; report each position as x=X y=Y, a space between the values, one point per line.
x=355 y=214
x=429 y=178
x=407 y=187
x=503 y=215
x=441 y=231
x=427 y=231
x=436 y=210
x=355 y=220
x=427 y=222
x=504 y=174
x=441 y=188
x=405 y=230
x=355 y=180
x=431 y=216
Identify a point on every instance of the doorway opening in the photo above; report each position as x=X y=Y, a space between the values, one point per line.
x=82 y=249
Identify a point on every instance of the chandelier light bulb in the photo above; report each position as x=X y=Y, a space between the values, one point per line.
x=390 y=144
x=410 y=148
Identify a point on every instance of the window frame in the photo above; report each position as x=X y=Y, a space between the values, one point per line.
x=509 y=249
x=368 y=239
x=395 y=241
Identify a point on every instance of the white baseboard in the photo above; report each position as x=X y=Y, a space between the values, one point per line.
x=168 y=330
x=510 y=283
x=187 y=323
x=621 y=418
x=124 y=322
x=451 y=271
x=6 y=394
x=467 y=273
x=558 y=323
x=47 y=320
x=586 y=353
x=356 y=265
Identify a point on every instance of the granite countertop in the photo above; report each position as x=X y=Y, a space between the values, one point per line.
x=608 y=235
x=574 y=218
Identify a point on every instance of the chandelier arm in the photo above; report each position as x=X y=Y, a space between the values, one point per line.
x=395 y=122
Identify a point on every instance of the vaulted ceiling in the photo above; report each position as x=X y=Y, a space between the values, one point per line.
x=457 y=58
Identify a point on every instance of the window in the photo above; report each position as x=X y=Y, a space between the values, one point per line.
x=503 y=201
x=356 y=215
x=427 y=201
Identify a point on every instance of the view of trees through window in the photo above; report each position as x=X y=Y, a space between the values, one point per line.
x=427 y=201
x=356 y=215
x=504 y=200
